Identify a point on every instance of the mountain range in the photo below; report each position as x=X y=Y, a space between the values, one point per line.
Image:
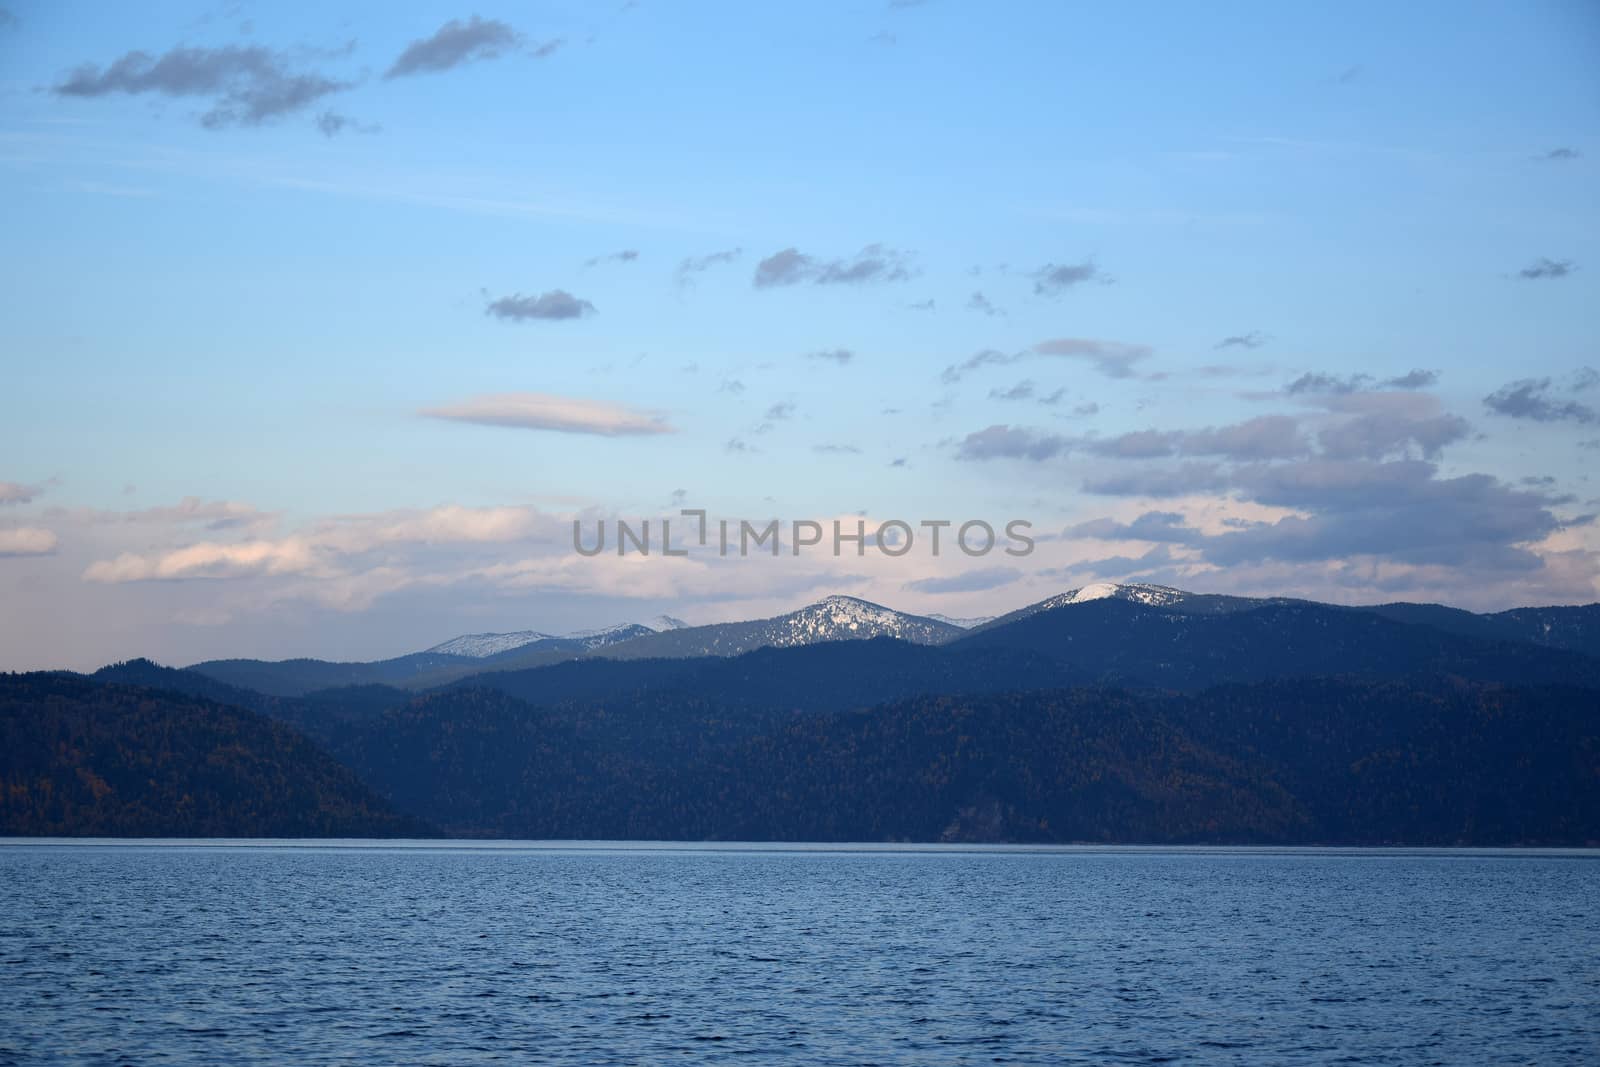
x=1106 y=713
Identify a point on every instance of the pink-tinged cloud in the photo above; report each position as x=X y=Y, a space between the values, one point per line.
x=27 y=541
x=561 y=414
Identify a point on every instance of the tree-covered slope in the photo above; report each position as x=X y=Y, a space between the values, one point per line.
x=82 y=758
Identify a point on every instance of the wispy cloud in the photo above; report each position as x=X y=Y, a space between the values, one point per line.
x=17 y=493
x=1054 y=279
x=457 y=43
x=980 y=303
x=247 y=86
x=874 y=263
x=1532 y=399
x=556 y=304
x=694 y=265
x=840 y=356
x=1318 y=382
x=627 y=255
x=1243 y=340
x=332 y=124
x=1114 y=359
x=542 y=411
x=1543 y=267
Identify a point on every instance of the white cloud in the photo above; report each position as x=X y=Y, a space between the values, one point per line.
x=27 y=541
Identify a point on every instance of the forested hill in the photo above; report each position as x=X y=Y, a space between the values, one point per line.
x=1301 y=762
x=83 y=758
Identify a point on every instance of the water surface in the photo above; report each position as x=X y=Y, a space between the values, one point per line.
x=351 y=952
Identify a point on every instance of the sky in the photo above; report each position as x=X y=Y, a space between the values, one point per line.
x=321 y=325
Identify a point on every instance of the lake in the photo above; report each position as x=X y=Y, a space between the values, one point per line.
x=459 y=953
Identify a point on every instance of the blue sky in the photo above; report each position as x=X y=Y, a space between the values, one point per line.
x=221 y=292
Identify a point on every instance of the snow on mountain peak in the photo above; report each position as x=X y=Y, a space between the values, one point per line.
x=964 y=623
x=1137 y=592
x=836 y=618
x=481 y=646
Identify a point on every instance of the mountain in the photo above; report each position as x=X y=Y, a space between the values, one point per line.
x=488 y=646
x=1145 y=646
x=831 y=676
x=834 y=618
x=965 y=624
x=82 y=757
x=1120 y=641
x=296 y=677
x=1575 y=628
x=479 y=646
x=1290 y=762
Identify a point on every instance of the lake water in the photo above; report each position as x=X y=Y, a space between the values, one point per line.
x=366 y=953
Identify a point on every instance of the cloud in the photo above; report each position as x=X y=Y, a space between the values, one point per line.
x=1398 y=510
x=627 y=255
x=1008 y=442
x=779 y=412
x=455 y=43
x=1023 y=390
x=1140 y=444
x=1265 y=437
x=840 y=356
x=1378 y=434
x=1547 y=268
x=1560 y=155
x=979 y=302
x=246 y=85
x=837 y=450
x=1114 y=359
x=352 y=553
x=1415 y=379
x=731 y=385
x=967 y=582
x=1242 y=340
x=693 y=265
x=1053 y=279
x=1529 y=398
x=542 y=411
x=1111 y=358
x=987 y=357
x=874 y=263
x=1159 y=526
x=26 y=541
x=17 y=493
x=1159 y=481
x=554 y=305
x=332 y=124
x=1361 y=516
x=1317 y=382
x=208 y=560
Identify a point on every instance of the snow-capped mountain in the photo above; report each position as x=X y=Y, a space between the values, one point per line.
x=834 y=618
x=1137 y=592
x=478 y=646
x=482 y=646
x=965 y=624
